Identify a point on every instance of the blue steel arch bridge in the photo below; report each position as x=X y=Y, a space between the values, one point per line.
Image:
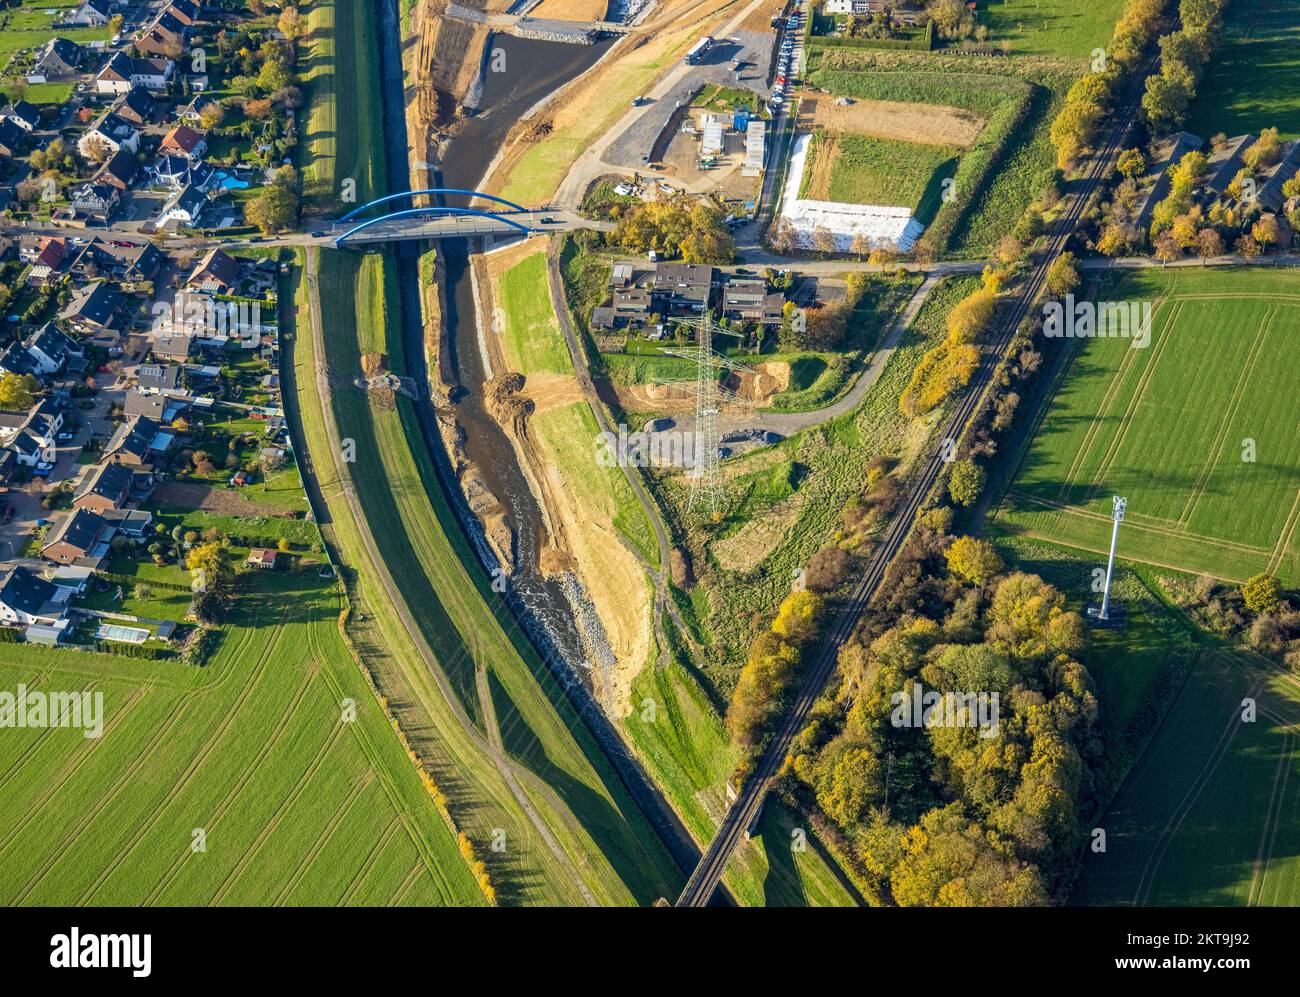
x=432 y=221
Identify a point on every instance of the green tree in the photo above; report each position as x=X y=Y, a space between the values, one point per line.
x=966 y=482
x=1063 y=275
x=1262 y=594
x=15 y=393
x=1132 y=163
x=975 y=560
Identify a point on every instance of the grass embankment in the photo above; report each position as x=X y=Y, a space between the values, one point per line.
x=566 y=778
x=298 y=806
x=343 y=138
x=1217 y=495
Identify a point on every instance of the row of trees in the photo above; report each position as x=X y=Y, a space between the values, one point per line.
x=1076 y=126
x=949 y=366
x=1183 y=57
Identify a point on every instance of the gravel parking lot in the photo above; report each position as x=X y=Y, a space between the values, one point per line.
x=752 y=48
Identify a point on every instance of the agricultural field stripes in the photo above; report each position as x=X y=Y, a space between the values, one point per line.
x=296 y=804
x=1196 y=430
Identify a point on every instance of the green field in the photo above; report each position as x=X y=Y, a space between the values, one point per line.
x=1211 y=814
x=1250 y=83
x=1168 y=427
x=1063 y=28
x=1010 y=160
x=869 y=170
x=298 y=806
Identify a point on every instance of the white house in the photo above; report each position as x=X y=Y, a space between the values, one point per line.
x=111 y=132
x=27 y=599
x=122 y=73
x=185 y=207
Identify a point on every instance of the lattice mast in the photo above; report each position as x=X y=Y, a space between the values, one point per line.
x=706 y=488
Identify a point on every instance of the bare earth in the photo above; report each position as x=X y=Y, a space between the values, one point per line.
x=221 y=501
x=932 y=124
x=570 y=10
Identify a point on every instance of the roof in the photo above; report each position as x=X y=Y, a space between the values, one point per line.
x=188 y=199
x=134 y=437
x=67 y=51
x=262 y=555
x=11 y=136
x=182 y=137
x=216 y=265
x=138 y=100
x=94 y=305
x=109 y=480
x=81 y=529
x=161 y=376
x=26 y=592
x=25 y=110
x=1270 y=195
x=122 y=166
x=683 y=275
x=51 y=341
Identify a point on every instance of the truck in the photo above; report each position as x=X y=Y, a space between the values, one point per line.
x=698 y=50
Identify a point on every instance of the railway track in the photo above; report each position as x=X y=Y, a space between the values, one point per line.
x=744 y=810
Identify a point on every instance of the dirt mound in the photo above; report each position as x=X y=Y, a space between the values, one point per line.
x=760 y=384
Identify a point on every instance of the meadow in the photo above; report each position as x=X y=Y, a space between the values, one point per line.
x=861 y=169
x=1250 y=83
x=297 y=804
x=1060 y=28
x=1197 y=431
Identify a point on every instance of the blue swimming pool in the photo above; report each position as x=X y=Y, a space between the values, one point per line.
x=228 y=181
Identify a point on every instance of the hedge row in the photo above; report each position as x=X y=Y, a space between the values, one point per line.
x=923 y=44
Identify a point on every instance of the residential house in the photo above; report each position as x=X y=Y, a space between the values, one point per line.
x=159 y=379
x=125 y=261
x=178 y=172
x=216 y=273
x=59 y=57
x=682 y=288
x=165 y=36
x=179 y=348
x=24 y=114
x=750 y=301
x=42 y=250
x=185 y=11
x=164 y=409
x=1270 y=195
x=83 y=536
x=123 y=72
x=262 y=557
x=93 y=310
x=27 y=599
x=185 y=207
x=50 y=350
x=31 y=435
x=91 y=14
x=136 y=106
x=108 y=485
x=192 y=113
x=1171 y=153
x=120 y=171
x=11 y=138
x=1225 y=162
x=184 y=141
x=97 y=201
x=109 y=135
x=137 y=442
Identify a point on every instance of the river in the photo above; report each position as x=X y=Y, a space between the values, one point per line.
x=533 y=69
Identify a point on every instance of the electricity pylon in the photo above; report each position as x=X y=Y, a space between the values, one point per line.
x=706 y=489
